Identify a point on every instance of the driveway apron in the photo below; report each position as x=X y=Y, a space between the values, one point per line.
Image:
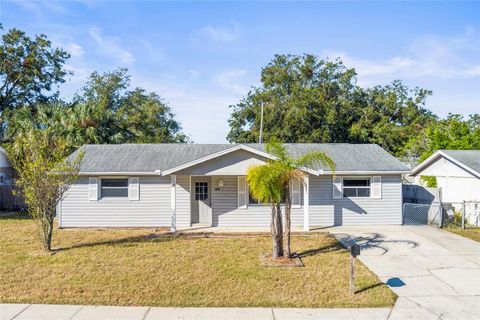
x=436 y=274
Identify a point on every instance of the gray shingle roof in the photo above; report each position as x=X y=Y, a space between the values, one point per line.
x=470 y=158
x=151 y=157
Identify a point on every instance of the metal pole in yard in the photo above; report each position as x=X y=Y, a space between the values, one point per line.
x=260 y=140
x=352 y=274
x=463 y=215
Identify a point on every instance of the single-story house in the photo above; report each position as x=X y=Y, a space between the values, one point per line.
x=184 y=185
x=457 y=173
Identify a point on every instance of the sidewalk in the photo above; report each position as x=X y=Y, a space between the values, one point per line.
x=73 y=312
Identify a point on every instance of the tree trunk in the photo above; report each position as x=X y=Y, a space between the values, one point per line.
x=287 y=231
x=276 y=231
x=279 y=229
x=46 y=231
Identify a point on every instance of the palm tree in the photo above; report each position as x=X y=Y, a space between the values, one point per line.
x=265 y=185
x=270 y=183
x=290 y=168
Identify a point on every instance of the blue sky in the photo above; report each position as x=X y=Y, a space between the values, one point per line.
x=203 y=56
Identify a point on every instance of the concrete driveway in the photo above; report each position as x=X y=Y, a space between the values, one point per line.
x=436 y=274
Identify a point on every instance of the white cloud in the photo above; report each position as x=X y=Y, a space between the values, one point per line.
x=39 y=7
x=31 y=6
x=229 y=79
x=74 y=49
x=220 y=34
x=193 y=74
x=433 y=57
x=111 y=46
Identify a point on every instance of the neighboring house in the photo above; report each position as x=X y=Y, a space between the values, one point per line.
x=457 y=173
x=155 y=185
x=8 y=201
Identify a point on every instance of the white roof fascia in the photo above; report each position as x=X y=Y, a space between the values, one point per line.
x=112 y=173
x=364 y=172
x=437 y=154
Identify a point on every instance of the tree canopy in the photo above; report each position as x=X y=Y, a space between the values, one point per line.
x=29 y=69
x=453 y=133
x=308 y=99
x=104 y=111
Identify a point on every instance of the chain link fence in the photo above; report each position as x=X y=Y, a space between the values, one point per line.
x=463 y=215
x=422 y=214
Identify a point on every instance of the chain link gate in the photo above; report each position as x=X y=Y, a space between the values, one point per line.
x=422 y=214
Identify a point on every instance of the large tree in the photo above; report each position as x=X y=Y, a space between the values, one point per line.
x=123 y=115
x=390 y=116
x=453 y=132
x=29 y=69
x=104 y=111
x=308 y=99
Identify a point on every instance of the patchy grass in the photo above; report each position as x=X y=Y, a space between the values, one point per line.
x=471 y=233
x=130 y=267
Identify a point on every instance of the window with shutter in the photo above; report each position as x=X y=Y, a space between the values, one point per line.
x=377 y=187
x=356 y=187
x=295 y=193
x=242 y=192
x=114 y=187
x=134 y=188
x=93 y=189
x=337 y=188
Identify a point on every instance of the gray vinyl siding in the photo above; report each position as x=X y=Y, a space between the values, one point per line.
x=227 y=214
x=183 y=201
x=152 y=210
x=326 y=211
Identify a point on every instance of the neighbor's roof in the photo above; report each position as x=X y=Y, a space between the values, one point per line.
x=467 y=159
x=166 y=158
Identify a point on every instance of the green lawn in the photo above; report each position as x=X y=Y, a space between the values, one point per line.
x=473 y=233
x=130 y=267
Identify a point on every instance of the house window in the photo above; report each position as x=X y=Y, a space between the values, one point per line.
x=201 y=190
x=117 y=188
x=356 y=187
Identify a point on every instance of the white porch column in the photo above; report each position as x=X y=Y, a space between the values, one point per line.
x=306 y=204
x=173 y=201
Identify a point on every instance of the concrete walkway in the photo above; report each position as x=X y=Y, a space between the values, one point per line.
x=69 y=312
x=436 y=274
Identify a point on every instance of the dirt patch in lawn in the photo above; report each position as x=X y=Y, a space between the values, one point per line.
x=137 y=267
x=282 y=262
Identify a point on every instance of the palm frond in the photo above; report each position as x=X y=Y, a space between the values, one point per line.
x=278 y=150
x=264 y=183
x=315 y=158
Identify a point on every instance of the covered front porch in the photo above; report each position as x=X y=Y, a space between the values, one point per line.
x=223 y=201
x=213 y=192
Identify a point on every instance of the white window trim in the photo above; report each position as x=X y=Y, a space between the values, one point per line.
x=357 y=178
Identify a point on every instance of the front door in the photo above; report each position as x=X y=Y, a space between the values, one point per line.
x=201 y=201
